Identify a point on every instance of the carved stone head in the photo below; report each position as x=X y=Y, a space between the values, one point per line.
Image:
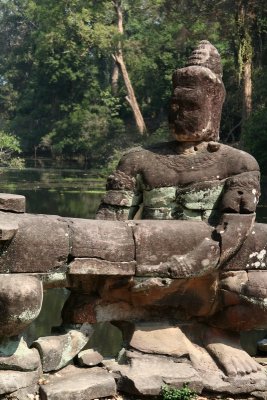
x=197 y=97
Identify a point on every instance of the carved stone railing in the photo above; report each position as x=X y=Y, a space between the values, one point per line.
x=165 y=298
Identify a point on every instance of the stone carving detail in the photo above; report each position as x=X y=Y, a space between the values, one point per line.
x=174 y=259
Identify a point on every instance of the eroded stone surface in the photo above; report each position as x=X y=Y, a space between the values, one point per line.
x=57 y=351
x=8 y=230
x=89 y=358
x=29 y=393
x=20 y=302
x=100 y=239
x=10 y=381
x=252 y=254
x=158 y=338
x=95 y=266
x=15 y=355
x=12 y=202
x=79 y=384
x=146 y=375
x=40 y=245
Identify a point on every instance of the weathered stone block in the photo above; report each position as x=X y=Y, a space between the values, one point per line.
x=194 y=296
x=7 y=230
x=40 y=245
x=15 y=355
x=111 y=241
x=12 y=202
x=79 y=384
x=252 y=254
x=95 y=266
x=157 y=241
x=159 y=338
x=57 y=351
x=10 y=381
x=146 y=375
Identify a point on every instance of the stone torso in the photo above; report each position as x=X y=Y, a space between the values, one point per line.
x=169 y=185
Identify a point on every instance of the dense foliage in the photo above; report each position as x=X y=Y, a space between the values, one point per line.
x=57 y=62
x=9 y=150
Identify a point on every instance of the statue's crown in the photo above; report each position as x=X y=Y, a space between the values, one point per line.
x=206 y=55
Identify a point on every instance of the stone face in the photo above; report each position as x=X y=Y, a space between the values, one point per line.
x=10 y=381
x=57 y=351
x=95 y=266
x=40 y=245
x=102 y=239
x=21 y=299
x=79 y=384
x=89 y=358
x=15 y=355
x=12 y=202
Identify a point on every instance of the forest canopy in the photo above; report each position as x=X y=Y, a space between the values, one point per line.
x=92 y=78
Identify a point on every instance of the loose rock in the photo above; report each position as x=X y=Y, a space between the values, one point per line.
x=57 y=351
x=79 y=384
x=89 y=358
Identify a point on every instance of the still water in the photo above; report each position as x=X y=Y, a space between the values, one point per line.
x=68 y=193
x=75 y=193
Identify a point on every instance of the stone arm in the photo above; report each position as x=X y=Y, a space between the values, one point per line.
x=238 y=205
x=123 y=197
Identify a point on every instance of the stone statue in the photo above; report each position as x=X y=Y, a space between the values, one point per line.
x=195 y=178
x=174 y=259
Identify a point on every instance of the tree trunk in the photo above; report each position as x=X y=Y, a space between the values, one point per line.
x=245 y=54
x=247 y=90
x=118 y=57
x=115 y=79
x=139 y=120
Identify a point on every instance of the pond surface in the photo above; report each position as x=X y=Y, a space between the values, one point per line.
x=65 y=192
x=72 y=193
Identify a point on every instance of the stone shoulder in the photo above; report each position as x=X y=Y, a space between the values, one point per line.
x=134 y=159
x=238 y=161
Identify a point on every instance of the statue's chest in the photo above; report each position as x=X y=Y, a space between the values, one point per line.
x=176 y=170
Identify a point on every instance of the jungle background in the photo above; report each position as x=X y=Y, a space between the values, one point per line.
x=85 y=80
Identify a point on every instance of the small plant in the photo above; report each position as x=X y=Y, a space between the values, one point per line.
x=172 y=393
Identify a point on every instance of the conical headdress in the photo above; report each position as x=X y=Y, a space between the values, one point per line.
x=206 y=55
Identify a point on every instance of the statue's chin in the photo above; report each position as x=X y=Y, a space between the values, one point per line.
x=188 y=137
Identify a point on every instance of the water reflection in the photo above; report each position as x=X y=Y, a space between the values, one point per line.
x=69 y=193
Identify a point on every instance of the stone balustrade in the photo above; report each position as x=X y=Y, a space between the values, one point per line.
x=165 y=298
